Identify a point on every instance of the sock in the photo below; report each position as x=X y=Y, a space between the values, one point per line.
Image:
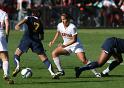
x=57 y=63
x=0 y=63
x=92 y=65
x=16 y=61
x=49 y=66
x=111 y=67
x=6 y=68
x=93 y=70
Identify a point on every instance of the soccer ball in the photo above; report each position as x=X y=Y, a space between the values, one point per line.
x=26 y=73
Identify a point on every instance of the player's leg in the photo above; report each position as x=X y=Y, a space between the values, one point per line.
x=17 y=55
x=0 y=63
x=5 y=66
x=82 y=57
x=115 y=63
x=55 y=55
x=101 y=61
x=48 y=64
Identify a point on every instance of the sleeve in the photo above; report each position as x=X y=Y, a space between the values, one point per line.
x=26 y=17
x=74 y=30
x=6 y=16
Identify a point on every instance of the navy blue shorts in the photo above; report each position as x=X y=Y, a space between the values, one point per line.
x=36 y=47
x=110 y=45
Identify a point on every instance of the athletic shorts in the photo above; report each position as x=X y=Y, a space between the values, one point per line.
x=76 y=49
x=109 y=45
x=3 y=43
x=36 y=47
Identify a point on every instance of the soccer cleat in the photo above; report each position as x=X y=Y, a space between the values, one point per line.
x=104 y=75
x=55 y=76
x=14 y=74
x=10 y=81
x=77 y=72
x=98 y=75
x=60 y=73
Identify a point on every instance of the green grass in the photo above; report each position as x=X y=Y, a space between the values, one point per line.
x=92 y=40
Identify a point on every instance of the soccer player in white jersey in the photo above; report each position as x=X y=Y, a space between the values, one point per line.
x=71 y=44
x=4 y=33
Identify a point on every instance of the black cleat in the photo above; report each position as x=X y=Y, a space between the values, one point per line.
x=10 y=81
x=15 y=72
x=60 y=73
x=77 y=72
x=55 y=76
x=104 y=75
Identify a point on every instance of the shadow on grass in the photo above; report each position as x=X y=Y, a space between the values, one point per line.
x=60 y=82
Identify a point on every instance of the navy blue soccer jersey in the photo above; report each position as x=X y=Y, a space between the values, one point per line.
x=114 y=44
x=35 y=28
x=32 y=36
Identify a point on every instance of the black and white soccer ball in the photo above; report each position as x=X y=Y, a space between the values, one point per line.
x=26 y=73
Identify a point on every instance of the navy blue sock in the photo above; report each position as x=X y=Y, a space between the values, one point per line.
x=47 y=63
x=113 y=65
x=1 y=63
x=16 y=60
x=91 y=65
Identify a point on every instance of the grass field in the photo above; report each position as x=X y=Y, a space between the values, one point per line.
x=92 y=40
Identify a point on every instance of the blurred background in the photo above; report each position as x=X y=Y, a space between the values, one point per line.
x=84 y=13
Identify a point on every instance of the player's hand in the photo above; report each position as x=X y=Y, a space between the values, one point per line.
x=61 y=45
x=51 y=43
x=17 y=27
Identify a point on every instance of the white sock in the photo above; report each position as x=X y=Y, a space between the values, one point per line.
x=57 y=63
x=51 y=72
x=6 y=68
x=106 y=71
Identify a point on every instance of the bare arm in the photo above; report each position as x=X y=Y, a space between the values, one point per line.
x=54 y=39
x=17 y=27
x=7 y=26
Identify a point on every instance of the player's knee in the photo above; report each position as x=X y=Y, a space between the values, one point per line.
x=54 y=54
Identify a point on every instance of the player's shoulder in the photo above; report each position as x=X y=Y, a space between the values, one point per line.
x=60 y=24
x=72 y=26
x=3 y=12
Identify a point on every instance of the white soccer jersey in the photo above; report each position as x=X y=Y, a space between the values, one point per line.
x=68 y=32
x=3 y=43
x=3 y=17
x=67 y=36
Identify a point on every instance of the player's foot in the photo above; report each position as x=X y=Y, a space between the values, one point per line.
x=7 y=78
x=98 y=75
x=55 y=76
x=104 y=75
x=77 y=72
x=15 y=72
x=60 y=73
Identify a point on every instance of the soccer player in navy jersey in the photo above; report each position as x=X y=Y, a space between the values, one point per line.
x=111 y=47
x=32 y=39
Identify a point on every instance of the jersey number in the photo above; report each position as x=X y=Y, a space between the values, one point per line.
x=36 y=26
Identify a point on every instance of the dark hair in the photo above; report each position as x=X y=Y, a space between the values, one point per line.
x=36 y=12
x=66 y=15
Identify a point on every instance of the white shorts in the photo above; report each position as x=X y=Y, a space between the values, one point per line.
x=75 y=49
x=3 y=43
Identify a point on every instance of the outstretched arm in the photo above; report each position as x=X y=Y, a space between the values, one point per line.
x=54 y=39
x=17 y=27
x=7 y=29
